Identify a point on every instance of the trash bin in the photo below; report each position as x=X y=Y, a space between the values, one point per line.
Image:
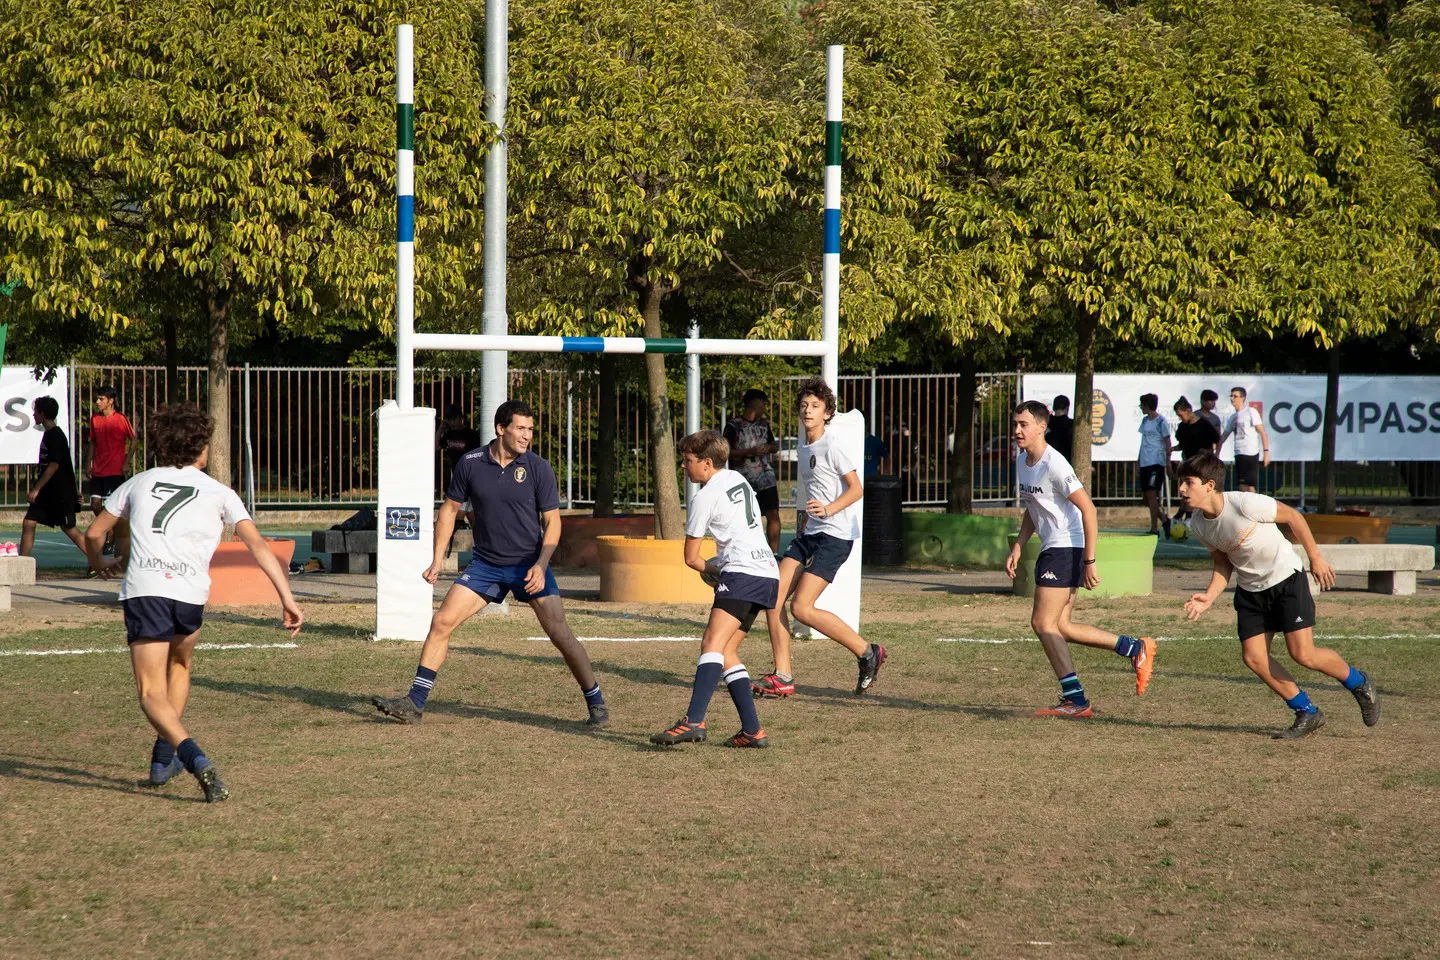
x=884 y=543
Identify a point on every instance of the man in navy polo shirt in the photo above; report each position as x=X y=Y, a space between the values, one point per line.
x=517 y=528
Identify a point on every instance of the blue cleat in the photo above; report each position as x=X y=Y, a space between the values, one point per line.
x=163 y=773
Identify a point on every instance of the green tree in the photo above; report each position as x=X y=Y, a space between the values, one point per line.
x=641 y=135
x=229 y=166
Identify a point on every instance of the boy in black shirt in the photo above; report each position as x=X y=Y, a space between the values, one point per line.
x=1194 y=434
x=53 y=497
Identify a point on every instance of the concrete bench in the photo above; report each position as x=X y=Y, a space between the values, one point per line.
x=354 y=551
x=15 y=572
x=1392 y=566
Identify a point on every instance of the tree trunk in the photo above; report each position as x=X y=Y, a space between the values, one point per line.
x=1327 y=433
x=669 y=521
x=605 y=445
x=217 y=307
x=172 y=359
x=962 y=460
x=1084 y=394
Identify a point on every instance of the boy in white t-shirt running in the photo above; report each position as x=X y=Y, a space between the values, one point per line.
x=826 y=532
x=745 y=579
x=176 y=513
x=1272 y=593
x=1058 y=508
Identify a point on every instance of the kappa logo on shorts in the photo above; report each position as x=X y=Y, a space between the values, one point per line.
x=520 y=474
x=722 y=589
x=1049 y=575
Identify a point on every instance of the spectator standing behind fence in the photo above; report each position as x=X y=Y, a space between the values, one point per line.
x=1060 y=434
x=1208 y=399
x=1154 y=459
x=455 y=438
x=110 y=433
x=752 y=445
x=53 y=498
x=1250 y=441
x=1194 y=434
x=876 y=452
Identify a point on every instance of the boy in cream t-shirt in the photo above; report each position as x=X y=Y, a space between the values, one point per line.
x=1272 y=593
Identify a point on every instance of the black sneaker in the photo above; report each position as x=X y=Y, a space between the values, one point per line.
x=1369 y=702
x=599 y=716
x=750 y=741
x=683 y=732
x=870 y=668
x=400 y=708
x=209 y=778
x=1166 y=524
x=1305 y=724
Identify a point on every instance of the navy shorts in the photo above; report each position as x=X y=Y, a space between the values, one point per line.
x=160 y=618
x=494 y=582
x=744 y=596
x=820 y=554
x=1061 y=567
x=1284 y=608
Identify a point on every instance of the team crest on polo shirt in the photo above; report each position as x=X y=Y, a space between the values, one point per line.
x=519 y=474
x=812 y=461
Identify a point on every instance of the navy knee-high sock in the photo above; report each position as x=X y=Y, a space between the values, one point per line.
x=737 y=681
x=162 y=753
x=191 y=755
x=706 y=676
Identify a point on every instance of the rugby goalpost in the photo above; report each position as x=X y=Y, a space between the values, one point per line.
x=403 y=600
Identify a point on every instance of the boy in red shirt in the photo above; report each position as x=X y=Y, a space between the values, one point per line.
x=110 y=436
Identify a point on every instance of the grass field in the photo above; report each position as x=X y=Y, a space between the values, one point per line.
x=933 y=818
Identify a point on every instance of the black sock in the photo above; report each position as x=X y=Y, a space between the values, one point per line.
x=191 y=755
x=737 y=681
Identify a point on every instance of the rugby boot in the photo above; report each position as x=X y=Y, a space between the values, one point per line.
x=1144 y=661
x=163 y=773
x=772 y=686
x=210 y=782
x=599 y=716
x=1067 y=710
x=869 y=668
x=1306 y=723
x=1369 y=702
x=683 y=732
x=754 y=741
x=399 y=708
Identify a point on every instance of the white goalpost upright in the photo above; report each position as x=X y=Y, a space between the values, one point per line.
x=403 y=599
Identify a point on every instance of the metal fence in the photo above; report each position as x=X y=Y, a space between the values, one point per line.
x=306 y=437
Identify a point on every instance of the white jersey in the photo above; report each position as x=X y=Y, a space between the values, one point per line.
x=726 y=509
x=1245 y=531
x=1242 y=423
x=1154 y=431
x=176 y=515
x=823 y=465
x=1045 y=491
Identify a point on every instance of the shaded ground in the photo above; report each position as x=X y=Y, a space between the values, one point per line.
x=933 y=818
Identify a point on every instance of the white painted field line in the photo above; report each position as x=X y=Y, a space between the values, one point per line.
x=694 y=639
x=1328 y=637
x=198 y=646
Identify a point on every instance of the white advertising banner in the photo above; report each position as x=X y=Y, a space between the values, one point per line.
x=1380 y=417
x=19 y=433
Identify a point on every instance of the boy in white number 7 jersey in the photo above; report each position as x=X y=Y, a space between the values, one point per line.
x=176 y=514
x=746 y=582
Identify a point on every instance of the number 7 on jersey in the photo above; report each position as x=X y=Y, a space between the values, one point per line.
x=177 y=495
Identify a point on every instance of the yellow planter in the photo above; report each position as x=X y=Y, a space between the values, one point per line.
x=651 y=571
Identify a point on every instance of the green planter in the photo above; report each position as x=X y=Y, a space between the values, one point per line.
x=1126 y=562
x=958 y=538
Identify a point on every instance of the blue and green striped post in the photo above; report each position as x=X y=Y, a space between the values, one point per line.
x=830 y=301
x=405 y=215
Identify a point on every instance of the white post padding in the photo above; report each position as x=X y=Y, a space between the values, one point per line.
x=406 y=522
x=842 y=597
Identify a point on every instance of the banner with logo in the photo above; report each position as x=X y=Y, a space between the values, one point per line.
x=19 y=433
x=1380 y=418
